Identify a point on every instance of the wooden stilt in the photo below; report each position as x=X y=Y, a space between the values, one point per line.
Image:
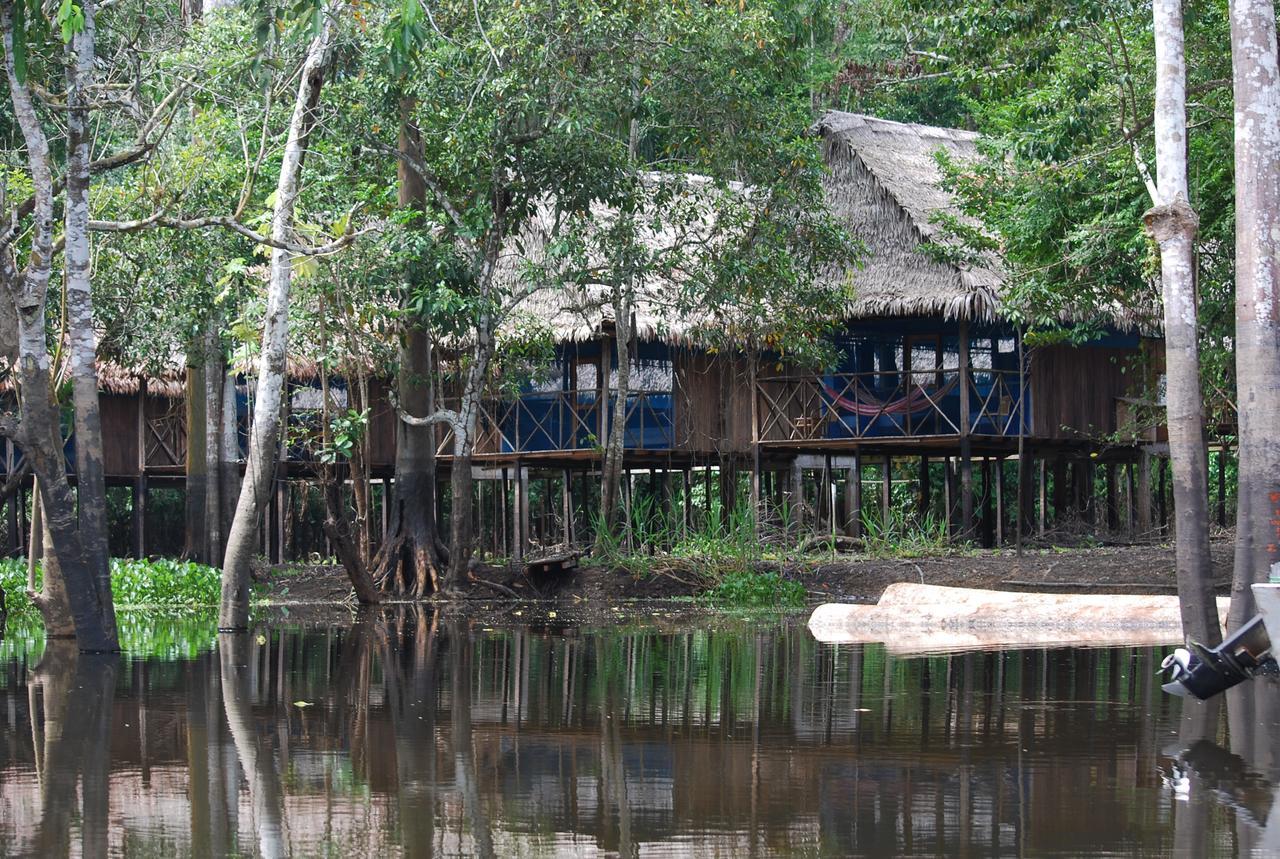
x=1130 y=486
x=886 y=496
x=988 y=529
x=853 y=498
x=140 y=516
x=966 y=460
x=1059 y=490
x=1144 y=493
x=826 y=504
x=797 y=497
x=1162 y=489
x=1113 y=511
x=1043 y=472
x=949 y=496
x=998 y=463
x=566 y=505
x=1222 y=484
x=923 y=501
x=1026 y=494
x=685 y=502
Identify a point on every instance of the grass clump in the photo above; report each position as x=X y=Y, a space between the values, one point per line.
x=161 y=583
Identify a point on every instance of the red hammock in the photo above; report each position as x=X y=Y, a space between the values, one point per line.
x=866 y=405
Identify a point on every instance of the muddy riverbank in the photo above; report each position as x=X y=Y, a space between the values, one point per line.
x=1147 y=569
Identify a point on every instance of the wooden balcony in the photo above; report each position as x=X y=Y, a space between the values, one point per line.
x=804 y=410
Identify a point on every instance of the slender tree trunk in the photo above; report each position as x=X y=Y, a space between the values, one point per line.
x=1172 y=223
x=266 y=793
x=461 y=515
x=213 y=380
x=196 y=542
x=335 y=524
x=261 y=466
x=615 y=445
x=1257 y=340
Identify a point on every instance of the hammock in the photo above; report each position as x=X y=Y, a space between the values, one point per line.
x=866 y=404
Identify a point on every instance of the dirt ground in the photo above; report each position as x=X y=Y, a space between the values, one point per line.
x=1144 y=569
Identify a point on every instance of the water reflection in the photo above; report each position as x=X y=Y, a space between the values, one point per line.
x=405 y=733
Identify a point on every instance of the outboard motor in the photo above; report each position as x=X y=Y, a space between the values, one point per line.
x=1204 y=672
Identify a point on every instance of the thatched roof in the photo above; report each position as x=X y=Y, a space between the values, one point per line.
x=887 y=187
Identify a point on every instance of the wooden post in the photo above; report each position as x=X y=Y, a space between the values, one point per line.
x=966 y=460
x=1113 y=512
x=752 y=363
x=949 y=495
x=1144 y=493
x=826 y=504
x=566 y=501
x=140 y=516
x=140 y=479
x=988 y=531
x=924 y=497
x=797 y=496
x=685 y=502
x=1059 y=489
x=853 y=498
x=1222 y=483
x=1026 y=494
x=519 y=513
x=504 y=492
x=998 y=463
x=886 y=495
x=1044 y=494
x=1130 y=485
x=1164 y=503
x=626 y=507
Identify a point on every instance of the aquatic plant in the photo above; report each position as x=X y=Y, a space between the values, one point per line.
x=161 y=583
x=753 y=589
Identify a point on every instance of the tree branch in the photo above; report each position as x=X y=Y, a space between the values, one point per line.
x=159 y=219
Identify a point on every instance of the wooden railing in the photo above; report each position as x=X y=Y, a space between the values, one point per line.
x=563 y=421
x=889 y=404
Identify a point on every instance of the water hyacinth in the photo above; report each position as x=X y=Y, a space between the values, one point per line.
x=160 y=583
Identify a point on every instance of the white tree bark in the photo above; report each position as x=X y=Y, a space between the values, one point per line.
x=1257 y=157
x=260 y=468
x=1172 y=223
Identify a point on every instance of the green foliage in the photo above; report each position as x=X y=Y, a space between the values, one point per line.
x=160 y=583
x=751 y=589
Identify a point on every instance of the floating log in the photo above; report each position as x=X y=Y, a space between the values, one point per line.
x=914 y=617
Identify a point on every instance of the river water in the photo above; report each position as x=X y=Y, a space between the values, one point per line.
x=408 y=734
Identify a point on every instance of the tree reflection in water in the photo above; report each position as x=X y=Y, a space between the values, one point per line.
x=409 y=733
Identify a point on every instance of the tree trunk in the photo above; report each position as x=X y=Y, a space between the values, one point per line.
x=261 y=464
x=1172 y=223
x=335 y=525
x=411 y=556
x=461 y=519
x=213 y=381
x=196 y=538
x=39 y=430
x=615 y=446
x=1257 y=338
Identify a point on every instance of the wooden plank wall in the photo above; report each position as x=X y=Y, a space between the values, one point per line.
x=119 y=434
x=1074 y=389
x=712 y=403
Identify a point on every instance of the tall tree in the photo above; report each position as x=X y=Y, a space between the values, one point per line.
x=1257 y=336
x=1172 y=223
x=80 y=555
x=261 y=464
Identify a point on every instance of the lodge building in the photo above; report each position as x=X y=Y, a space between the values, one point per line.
x=934 y=389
